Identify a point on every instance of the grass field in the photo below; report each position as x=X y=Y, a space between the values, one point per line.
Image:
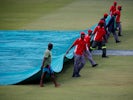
x=111 y=80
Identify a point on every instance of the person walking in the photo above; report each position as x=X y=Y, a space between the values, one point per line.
x=118 y=21
x=107 y=33
x=112 y=27
x=46 y=68
x=113 y=8
x=87 y=52
x=99 y=37
x=79 y=59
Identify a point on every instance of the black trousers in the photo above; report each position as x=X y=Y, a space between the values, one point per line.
x=101 y=45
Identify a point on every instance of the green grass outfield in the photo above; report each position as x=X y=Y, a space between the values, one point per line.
x=111 y=80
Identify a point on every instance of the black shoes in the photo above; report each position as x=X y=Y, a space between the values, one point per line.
x=118 y=41
x=94 y=65
x=76 y=75
x=105 y=57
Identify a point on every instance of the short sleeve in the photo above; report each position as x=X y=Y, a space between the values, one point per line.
x=47 y=53
x=76 y=42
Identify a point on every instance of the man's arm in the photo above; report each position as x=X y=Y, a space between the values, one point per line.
x=69 y=49
x=95 y=30
x=44 y=59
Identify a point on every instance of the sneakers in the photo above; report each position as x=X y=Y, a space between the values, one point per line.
x=118 y=41
x=119 y=35
x=105 y=57
x=94 y=65
x=76 y=75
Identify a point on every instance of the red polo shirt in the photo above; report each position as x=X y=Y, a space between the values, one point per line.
x=118 y=16
x=99 y=33
x=112 y=9
x=80 y=46
x=87 y=40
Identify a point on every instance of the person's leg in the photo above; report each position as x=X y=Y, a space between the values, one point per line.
x=99 y=46
x=119 y=29
x=54 y=81
x=89 y=57
x=81 y=64
x=104 y=50
x=42 y=77
x=76 y=64
x=94 y=45
x=107 y=35
x=116 y=37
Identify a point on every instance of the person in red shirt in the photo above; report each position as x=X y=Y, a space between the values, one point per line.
x=118 y=22
x=100 y=33
x=79 y=59
x=104 y=19
x=87 y=52
x=111 y=27
x=113 y=8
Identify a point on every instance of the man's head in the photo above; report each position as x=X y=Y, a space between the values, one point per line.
x=101 y=23
x=115 y=3
x=50 y=46
x=119 y=7
x=105 y=15
x=82 y=35
x=89 y=32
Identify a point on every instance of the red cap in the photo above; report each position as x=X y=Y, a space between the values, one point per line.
x=119 y=7
x=101 y=22
x=105 y=15
x=89 y=31
x=82 y=33
x=115 y=3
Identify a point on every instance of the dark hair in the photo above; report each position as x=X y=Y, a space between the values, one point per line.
x=50 y=45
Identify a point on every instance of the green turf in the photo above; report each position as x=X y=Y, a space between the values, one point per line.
x=58 y=14
x=111 y=80
x=16 y=14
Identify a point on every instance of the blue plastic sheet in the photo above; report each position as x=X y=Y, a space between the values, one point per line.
x=22 y=52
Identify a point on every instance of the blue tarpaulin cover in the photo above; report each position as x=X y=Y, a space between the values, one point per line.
x=22 y=52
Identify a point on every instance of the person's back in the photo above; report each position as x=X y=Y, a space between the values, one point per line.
x=118 y=20
x=113 y=8
x=104 y=19
x=87 y=39
x=99 y=33
x=111 y=24
x=118 y=16
x=112 y=27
